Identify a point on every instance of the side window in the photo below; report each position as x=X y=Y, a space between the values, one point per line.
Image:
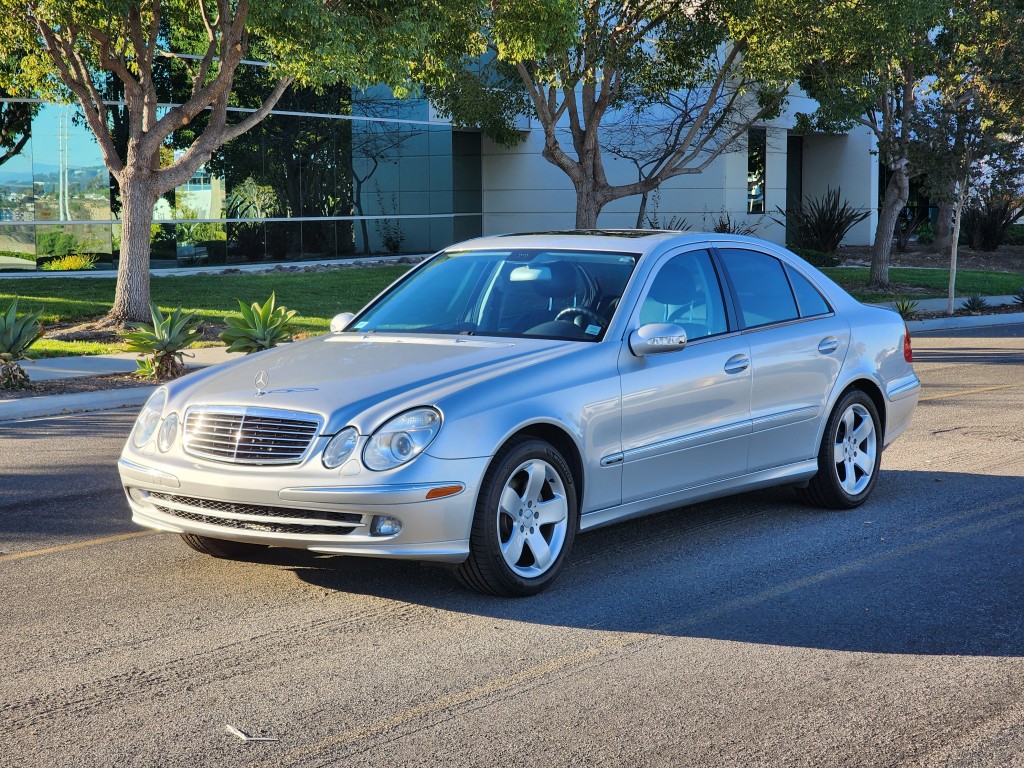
x=811 y=302
x=686 y=292
x=761 y=287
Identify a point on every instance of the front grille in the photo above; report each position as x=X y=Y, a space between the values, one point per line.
x=256 y=517
x=249 y=435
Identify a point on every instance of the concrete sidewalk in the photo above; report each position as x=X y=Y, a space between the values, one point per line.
x=98 y=365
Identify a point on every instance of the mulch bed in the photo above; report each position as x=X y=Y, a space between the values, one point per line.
x=74 y=386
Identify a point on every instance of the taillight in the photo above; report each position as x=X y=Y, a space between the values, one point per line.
x=908 y=352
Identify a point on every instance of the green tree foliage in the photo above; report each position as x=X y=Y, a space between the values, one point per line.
x=703 y=72
x=874 y=58
x=76 y=50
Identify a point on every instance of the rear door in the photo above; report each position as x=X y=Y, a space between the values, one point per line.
x=797 y=348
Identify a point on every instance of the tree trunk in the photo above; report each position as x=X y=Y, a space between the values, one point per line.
x=131 y=297
x=955 y=237
x=897 y=192
x=642 y=213
x=944 y=228
x=588 y=208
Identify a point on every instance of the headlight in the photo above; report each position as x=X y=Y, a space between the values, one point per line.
x=340 y=448
x=168 y=433
x=402 y=439
x=149 y=418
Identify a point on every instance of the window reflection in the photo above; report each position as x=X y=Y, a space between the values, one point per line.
x=328 y=175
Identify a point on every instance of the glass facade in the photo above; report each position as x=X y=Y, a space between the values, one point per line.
x=325 y=175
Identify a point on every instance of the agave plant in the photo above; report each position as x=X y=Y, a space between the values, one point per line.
x=974 y=303
x=260 y=327
x=1018 y=297
x=160 y=345
x=906 y=307
x=17 y=334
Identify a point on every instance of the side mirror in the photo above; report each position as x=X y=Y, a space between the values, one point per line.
x=340 y=321
x=655 y=338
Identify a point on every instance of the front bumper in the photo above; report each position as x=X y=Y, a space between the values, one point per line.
x=282 y=508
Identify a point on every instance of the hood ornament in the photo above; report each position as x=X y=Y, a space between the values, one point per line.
x=261 y=382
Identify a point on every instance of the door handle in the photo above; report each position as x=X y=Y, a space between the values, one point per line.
x=737 y=364
x=828 y=345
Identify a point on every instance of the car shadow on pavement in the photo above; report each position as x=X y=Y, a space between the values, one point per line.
x=931 y=565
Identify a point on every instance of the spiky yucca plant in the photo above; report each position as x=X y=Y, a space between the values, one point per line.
x=259 y=327
x=160 y=345
x=17 y=334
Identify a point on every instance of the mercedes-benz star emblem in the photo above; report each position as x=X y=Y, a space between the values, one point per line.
x=261 y=382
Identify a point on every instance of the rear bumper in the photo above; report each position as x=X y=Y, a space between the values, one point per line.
x=902 y=395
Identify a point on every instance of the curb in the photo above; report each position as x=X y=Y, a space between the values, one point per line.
x=57 y=405
x=952 y=323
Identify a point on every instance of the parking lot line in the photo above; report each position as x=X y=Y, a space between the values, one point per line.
x=76 y=545
x=970 y=391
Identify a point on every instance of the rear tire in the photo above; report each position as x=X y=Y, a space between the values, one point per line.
x=849 y=456
x=525 y=522
x=223 y=548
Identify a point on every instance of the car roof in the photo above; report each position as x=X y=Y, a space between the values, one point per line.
x=615 y=240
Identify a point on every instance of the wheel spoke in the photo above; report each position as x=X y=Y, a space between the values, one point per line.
x=512 y=549
x=864 y=463
x=863 y=432
x=850 y=483
x=848 y=419
x=540 y=549
x=837 y=452
x=553 y=511
x=510 y=502
x=537 y=474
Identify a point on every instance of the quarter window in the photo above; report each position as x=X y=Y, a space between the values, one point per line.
x=761 y=287
x=686 y=292
x=812 y=304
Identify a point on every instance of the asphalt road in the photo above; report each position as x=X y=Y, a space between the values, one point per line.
x=752 y=631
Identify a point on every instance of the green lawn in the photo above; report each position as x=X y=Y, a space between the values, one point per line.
x=317 y=296
x=928 y=282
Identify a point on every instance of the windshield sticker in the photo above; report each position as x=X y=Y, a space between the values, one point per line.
x=357 y=326
x=593 y=330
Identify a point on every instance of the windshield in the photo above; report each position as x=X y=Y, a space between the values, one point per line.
x=535 y=292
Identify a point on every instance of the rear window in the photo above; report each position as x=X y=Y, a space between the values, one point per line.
x=764 y=293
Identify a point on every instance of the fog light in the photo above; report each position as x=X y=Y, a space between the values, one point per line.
x=385 y=525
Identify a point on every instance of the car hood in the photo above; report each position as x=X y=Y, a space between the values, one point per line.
x=361 y=380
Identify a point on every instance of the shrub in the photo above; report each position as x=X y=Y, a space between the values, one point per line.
x=1018 y=297
x=725 y=225
x=73 y=262
x=17 y=334
x=161 y=344
x=821 y=223
x=260 y=327
x=905 y=306
x=819 y=259
x=56 y=243
x=1014 y=235
x=674 y=224
x=985 y=224
x=925 y=234
x=974 y=303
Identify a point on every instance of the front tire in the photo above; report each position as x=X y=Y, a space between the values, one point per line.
x=849 y=456
x=223 y=548
x=525 y=522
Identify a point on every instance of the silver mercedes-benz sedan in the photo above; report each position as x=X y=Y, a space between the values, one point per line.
x=512 y=391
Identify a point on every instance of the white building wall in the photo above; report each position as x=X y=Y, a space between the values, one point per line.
x=523 y=192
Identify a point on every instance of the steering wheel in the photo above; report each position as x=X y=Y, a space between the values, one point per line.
x=589 y=314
